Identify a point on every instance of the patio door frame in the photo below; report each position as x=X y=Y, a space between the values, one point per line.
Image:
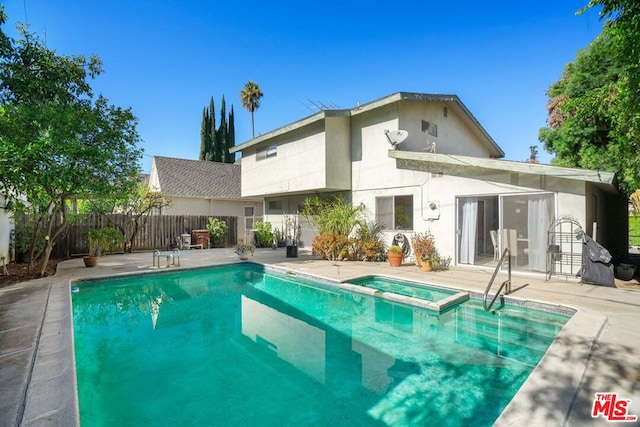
x=500 y=213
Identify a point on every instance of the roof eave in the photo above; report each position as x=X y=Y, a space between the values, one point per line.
x=594 y=176
x=289 y=128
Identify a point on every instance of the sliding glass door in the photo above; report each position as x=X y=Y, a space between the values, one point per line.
x=489 y=224
x=476 y=217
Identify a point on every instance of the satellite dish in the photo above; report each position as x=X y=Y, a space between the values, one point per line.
x=396 y=137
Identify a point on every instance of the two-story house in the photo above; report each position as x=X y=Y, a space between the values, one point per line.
x=422 y=162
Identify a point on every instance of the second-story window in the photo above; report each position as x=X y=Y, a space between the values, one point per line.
x=267 y=153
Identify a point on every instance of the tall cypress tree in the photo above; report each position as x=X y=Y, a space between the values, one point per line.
x=231 y=139
x=221 y=133
x=204 y=139
x=215 y=143
x=212 y=131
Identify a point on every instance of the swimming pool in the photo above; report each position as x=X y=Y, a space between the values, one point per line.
x=243 y=345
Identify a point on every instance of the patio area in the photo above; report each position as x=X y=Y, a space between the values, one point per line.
x=597 y=351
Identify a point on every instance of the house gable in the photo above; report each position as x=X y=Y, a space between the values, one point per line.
x=318 y=153
x=195 y=178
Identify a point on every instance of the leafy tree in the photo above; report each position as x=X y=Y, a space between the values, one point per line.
x=58 y=140
x=594 y=109
x=136 y=206
x=250 y=96
x=624 y=19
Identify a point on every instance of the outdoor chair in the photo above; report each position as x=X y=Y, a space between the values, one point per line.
x=494 y=240
x=171 y=257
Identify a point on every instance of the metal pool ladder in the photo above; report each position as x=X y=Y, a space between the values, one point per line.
x=506 y=284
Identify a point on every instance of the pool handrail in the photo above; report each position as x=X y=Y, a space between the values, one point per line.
x=506 y=283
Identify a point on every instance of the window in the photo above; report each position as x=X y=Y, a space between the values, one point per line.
x=275 y=206
x=267 y=153
x=430 y=128
x=395 y=212
x=249 y=219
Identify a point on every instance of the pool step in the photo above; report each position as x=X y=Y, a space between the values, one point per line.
x=437 y=306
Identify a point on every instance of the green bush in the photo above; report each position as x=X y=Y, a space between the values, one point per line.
x=264 y=235
x=22 y=239
x=218 y=230
x=105 y=239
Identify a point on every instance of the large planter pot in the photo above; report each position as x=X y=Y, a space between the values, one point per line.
x=395 y=260
x=625 y=271
x=292 y=251
x=90 y=261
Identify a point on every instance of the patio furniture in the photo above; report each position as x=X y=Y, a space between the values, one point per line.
x=494 y=240
x=184 y=242
x=171 y=257
x=510 y=241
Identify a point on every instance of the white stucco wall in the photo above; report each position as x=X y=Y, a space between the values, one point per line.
x=454 y=135
x=426 y=187
x=194 y=206
x=316 y=160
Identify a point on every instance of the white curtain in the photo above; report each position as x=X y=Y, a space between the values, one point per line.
x=539 y=219
x=468 y=233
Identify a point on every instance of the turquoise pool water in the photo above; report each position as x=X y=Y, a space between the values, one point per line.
x=403 y=288
x=237 y=345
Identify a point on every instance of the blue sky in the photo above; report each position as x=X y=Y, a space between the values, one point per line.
x=166 y=59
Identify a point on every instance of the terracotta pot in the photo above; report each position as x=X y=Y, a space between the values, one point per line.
x=395 y=260
x=425 y=266
x=418 y=256
x=90 y=261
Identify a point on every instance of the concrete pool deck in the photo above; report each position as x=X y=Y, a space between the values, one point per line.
x=597 y=351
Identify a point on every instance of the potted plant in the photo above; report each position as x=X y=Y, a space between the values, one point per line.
x=244 y=250
x=101 y=240
x=424 y=248
x=291 y=234
x=395 y=256
x=429 y=262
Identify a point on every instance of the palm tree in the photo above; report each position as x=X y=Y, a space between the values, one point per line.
x=250 y=96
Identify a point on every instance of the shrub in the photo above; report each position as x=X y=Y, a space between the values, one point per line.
x=218 y=230
x=264 y=236
x=330 y=246
x=368 y=244
x=103 y=240
x=23 y=239
x=335 y=215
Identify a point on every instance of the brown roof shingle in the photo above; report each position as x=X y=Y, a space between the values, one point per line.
x=198 y=178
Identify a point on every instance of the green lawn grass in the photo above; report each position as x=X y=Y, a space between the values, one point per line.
x=634 y=230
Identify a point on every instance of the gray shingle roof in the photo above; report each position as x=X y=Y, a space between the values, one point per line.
x=197 y=178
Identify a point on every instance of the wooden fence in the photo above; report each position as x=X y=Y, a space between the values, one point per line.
x=155 y=232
